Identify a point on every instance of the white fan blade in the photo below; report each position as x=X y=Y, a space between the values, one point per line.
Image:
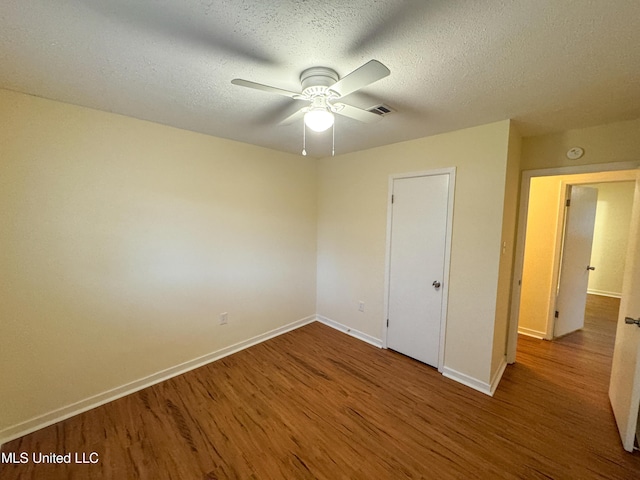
x=370 y=72
x=357 y=113
x=295 y=117
x=264 y=88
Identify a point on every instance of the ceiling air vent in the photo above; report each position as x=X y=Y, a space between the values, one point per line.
x=381 y=109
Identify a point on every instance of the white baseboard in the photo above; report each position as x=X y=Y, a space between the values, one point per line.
x=447 y=372
x=531 y=333
x=604 y=293
x=495 y=381
x=468 y=381
x=376 y=342
x=55 y=416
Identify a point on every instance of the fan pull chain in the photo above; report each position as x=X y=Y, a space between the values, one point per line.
x=304 y=140
x=333 y=140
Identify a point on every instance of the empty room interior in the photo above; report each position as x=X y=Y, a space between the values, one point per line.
x=319 y=239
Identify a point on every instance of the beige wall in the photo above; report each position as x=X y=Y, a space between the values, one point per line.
x=614 y=142
x=505 y=275
x=121 y=241
x=352 y=221
x=611 y=233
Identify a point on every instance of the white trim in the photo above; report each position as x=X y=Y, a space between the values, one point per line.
x=512 y=338
x=451 y=171
x=487 y=389
x=498 y=376
x=531 y=333
x=59 y=414
x=467 y=380
x=376 y=342
x=578 y=169
x=387 y=265
x=604 y=293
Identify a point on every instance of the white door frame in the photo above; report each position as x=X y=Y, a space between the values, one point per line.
x=527 y=175
x=447 y=253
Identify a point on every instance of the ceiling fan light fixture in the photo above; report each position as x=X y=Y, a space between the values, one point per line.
x=319 y=119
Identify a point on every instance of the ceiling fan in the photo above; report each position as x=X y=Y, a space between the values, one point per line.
x=321 y=87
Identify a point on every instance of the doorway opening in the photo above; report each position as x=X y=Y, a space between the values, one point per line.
x=551 y=217
x=575 y=247
x=620 y=376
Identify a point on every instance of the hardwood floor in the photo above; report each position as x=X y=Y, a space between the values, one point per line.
x=315 y=403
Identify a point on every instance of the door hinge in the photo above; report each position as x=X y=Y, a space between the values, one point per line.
x=568 y=202
x=632 y=321
x=392 y=198
x=557 y=313
x=387 y=323
x=520 y=282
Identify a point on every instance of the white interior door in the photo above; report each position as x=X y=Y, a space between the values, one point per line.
x=624 y=388
x=576 y=255
x=417 y=263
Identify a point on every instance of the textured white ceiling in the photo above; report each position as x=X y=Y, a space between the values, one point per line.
x=549 y=64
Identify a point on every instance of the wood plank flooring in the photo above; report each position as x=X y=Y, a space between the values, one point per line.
x=318 y=404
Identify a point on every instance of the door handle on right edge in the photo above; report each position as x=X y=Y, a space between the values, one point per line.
x=436 y=284
x=589 y=267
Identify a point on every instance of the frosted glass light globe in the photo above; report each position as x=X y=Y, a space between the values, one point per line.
x=318 y=120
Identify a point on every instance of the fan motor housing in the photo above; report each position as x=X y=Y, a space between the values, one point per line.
x=316 y=80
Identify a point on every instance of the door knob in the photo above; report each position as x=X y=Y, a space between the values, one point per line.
x=632 y=321
x=436 y=284
x=589 y=267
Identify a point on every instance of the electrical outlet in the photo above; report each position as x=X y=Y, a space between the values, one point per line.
x=361 y=306
x=223 y=318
